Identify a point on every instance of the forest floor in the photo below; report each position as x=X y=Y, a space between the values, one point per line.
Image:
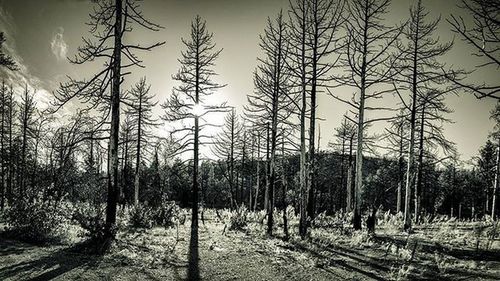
x=211 y=252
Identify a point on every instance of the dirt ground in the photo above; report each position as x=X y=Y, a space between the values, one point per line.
x=213 y=253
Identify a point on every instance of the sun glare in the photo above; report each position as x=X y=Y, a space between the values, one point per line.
x=198 y=109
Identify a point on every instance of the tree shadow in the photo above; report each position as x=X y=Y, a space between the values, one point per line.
x=459 y=253
x=371 y=273
x=8 y=248
x=193 y=256
x=51 y=266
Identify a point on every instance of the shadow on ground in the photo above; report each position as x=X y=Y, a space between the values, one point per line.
x=47 y=267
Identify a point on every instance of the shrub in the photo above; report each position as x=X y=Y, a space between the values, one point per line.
x=90 y=217
x=166 y=214
x=238 y=218
x=33 y=220
x=400 y=272
x=141 y=216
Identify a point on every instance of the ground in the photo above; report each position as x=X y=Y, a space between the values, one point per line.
x=212 y=252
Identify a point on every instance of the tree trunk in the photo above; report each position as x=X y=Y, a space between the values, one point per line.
x=303 y=109
x=268 y=168
x=257 y=185
x=342 y=180
x=284 y=183
x=243 y=159
x=400 y=169
x=231 y=166
x=22 y=178
x=418 y=183
x=10 y=170
x=349 y=177
x=312 y=120
x=497 y=181
x=2 y=145
x=112 y=198
x=137 y=180
x=409 y=170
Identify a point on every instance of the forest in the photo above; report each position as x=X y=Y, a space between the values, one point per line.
x=107 y=179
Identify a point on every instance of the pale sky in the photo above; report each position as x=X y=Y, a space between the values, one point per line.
x=41 y=34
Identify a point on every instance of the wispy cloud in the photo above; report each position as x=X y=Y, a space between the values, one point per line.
x=22 y=77
x=58 y=45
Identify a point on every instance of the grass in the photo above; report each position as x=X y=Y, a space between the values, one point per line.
x=213 y=252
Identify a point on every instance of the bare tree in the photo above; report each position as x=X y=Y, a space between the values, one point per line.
x=325 y=21
x=431 y=114
x=226 y=148
x=397 y=142
x=313 y=37
x=419 y=67
x=345 y=139
x=188 y=101
x=368 y=61
x=271 y=99
x=26 y=120
x=126 y=141
x=109 y=23
x=299 y=26
x=142 y=119
x=483 y=36
x=3 y=150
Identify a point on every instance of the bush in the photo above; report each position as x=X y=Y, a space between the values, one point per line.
x=141 y=216
x=90 y=217
x=238 y=218
x=165 y=214
x=34 y=220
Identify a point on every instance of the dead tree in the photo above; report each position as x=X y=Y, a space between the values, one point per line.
x=418 y=67
x=298 y=27
x=188 y=101
x=110 y=22
x=3 y=150
x=397 y=141
x=126 y=142
x=345 y=138
x=26 y=120
x=271 y=98
x=225 y=147
x=368 y=61
x=140 y=110
x=431 y=116
x=482 y=35
x=323 y=41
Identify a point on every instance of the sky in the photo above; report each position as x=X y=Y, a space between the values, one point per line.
x=42 y=34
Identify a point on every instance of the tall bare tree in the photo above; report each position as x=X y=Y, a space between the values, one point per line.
x=345 y=138
x=188 y=101
x=226 y=148
x=397 y=140
x=368 y=61
x=271 y=99
x=110 y=22
x=26 y=120
x=298 y=29
x=419 y=67
x=323 y=40
x=140 y=110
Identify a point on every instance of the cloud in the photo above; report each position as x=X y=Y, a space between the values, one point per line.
x=58 y=45
x=22 y=77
